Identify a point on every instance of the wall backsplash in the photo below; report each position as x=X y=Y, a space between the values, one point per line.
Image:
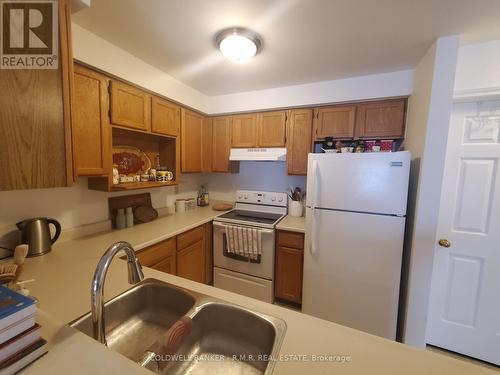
x=77 y=205
x=267 y=176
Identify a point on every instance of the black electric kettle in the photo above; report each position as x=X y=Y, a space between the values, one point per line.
x=36 y=234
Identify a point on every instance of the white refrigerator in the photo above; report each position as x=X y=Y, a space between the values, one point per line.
x=355 y=222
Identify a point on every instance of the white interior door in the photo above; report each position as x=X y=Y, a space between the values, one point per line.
x=464 y=310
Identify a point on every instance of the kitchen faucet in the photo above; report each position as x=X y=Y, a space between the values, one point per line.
x=97 y=292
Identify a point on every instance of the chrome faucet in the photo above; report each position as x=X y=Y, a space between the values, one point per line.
x=97 y=293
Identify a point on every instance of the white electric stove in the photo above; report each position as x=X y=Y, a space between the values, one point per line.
x=253 y=278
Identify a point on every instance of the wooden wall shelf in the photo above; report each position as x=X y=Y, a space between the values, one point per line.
x=141 y=185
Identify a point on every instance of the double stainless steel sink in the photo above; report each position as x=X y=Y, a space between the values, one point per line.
x=221 y=337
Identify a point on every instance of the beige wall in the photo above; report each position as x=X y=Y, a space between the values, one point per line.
x=427 y=133
x=95 y=51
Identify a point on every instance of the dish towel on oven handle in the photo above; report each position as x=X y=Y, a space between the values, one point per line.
x=244 y=241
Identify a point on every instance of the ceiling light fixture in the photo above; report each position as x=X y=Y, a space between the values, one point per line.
x=238 y=44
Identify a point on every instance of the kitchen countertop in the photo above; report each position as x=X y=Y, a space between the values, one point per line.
x=292 y=224
x=63 y=279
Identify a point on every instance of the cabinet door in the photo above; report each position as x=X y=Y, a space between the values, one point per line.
x=382 y=119
x=190 y=237
x=207 y=145
x=271 y=129
x=289 y=265
x=158 y=252
x=299 y=142
x=130 y=107
x=165 y=117
x=336 y=121
x=35 y=120
x=167 y=265
x=244 y=131
x=191 y=141
x=91 y=129
x=191 y=262
x=221 y=127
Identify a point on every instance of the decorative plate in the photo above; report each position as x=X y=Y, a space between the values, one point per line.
x=130 y=160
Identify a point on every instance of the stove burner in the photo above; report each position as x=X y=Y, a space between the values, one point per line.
x=252 y=216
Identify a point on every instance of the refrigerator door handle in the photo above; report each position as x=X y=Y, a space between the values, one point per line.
x=315 y=189
x=313 y=245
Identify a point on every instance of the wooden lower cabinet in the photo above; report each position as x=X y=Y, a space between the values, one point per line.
x=160 y=256
x=168 y=265
x=289 y=266
x=194 y=249
x=187 y=255
x=191 y=262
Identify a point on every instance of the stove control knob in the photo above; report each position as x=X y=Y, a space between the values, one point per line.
x=280 y=199
x=245 y=196
x=240 y=196
x=273 y=198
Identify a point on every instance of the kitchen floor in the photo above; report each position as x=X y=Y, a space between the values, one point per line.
x=461 y=357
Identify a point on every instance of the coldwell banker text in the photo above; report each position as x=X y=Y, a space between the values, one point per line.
x=29 y=34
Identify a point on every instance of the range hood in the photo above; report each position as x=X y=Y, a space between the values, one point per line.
x=258 y=154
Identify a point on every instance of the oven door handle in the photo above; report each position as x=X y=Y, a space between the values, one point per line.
x=222 y=225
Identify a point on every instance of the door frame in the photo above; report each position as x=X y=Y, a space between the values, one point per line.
x=414 y=303
x=450 y=160
x=473 y=96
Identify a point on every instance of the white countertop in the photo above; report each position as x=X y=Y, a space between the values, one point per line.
x=292 y=224
x=63 y=279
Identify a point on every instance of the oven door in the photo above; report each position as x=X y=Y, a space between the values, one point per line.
x=263 y=267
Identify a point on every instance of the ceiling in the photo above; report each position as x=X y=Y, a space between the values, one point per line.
x=304 y=40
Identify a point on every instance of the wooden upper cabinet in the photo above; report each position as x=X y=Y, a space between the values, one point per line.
x=191 y=141
x=244 y=131
x=91 y=129
x=271 y=129
x=130 y=107
x=207 y=145
x=165 y=117
x=381 y=119
x=335 y=121
x=221 y=127
x=299 y=142
x=35 y=120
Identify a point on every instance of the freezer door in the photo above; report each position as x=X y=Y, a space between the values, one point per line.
x=352 y=268
x=375 y=182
